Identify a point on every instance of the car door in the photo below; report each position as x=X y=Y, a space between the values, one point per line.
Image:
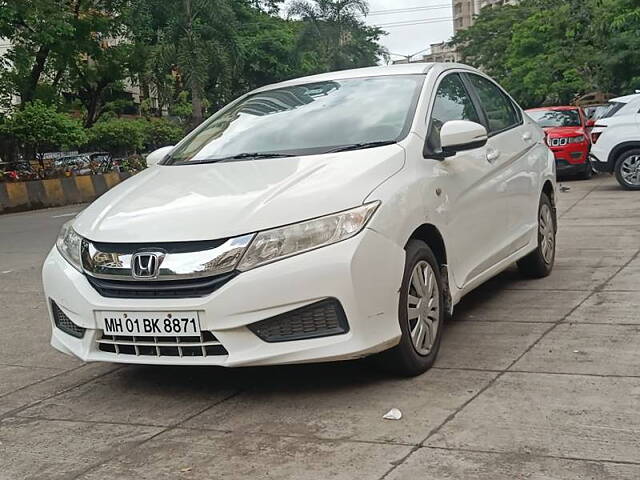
x=510 y=149
x=476 y=211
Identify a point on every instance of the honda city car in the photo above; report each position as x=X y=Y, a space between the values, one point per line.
x=325 y=218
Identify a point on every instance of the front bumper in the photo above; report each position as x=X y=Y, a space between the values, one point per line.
x=599 y=159
x=565 y=168
x=363 y=273
x=571 y=159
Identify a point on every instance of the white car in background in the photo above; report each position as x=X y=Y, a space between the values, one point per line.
x=324 y=218
x=616 y=141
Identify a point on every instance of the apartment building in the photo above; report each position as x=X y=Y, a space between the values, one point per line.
x=465 y=11
x=441 y=52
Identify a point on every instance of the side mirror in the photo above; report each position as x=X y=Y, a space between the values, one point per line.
x=591 y=123
x=460 y=135
x=154 y=157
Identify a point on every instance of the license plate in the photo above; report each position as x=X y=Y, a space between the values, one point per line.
x=150 y=324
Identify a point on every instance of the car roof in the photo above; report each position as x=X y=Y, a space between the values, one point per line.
x=626 y=98
x=560 y=108
x=380 y=71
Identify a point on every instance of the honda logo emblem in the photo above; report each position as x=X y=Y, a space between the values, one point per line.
x=146 y=265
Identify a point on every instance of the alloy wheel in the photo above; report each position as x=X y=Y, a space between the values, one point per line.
x=423 y=308
x=547 y=234
x=630 y=170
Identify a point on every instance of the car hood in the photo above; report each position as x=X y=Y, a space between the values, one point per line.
x=564 y=131
x=211 y=201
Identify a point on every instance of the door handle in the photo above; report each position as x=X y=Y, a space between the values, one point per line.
x=527 y=137
x=492 y=155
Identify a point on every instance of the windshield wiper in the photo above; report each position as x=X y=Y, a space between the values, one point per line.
x=242 y=156
x=257 y=156
x=362 y=146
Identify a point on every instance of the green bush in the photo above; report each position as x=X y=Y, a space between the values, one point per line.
x=41 y=127
x=119 y=136
x=161 y=132
x=122 y=136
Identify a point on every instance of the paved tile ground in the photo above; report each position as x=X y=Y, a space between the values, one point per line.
x=536 y=380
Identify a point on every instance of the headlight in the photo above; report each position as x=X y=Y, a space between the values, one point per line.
x=271 y=245
x=69 y=244
x=579 y=139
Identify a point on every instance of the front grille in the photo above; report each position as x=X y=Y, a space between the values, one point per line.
x=321 y=319
x=203 y=346
x=192 y=288
x=64 y=323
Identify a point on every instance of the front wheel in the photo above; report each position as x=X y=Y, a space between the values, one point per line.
x=539 y=263
x=587 y=173
x=420 y=313
x=628 y=170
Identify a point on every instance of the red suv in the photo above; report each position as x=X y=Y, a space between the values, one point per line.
x=567 y=137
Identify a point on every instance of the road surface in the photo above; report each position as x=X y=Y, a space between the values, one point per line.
x=536 y=380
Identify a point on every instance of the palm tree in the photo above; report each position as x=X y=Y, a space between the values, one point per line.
x=329 y=10
x=202 y=40
x=330 y=25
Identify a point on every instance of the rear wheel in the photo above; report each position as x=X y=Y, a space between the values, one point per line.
x=539 y=263
x=628 y=170
x=420 y=312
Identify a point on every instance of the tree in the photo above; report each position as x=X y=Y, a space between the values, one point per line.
x=269 y=51
x=618 y=25
x=97 y=77
x=202 y=39
x=85 y=53
x=61 y=44
x=334 y=31
x=552 y=51
x=66 y=45
x=40 y=127
x=37 y=29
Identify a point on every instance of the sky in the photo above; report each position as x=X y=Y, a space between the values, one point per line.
x=409 y=39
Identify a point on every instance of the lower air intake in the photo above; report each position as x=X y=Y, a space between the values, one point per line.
x=321 y=319
x=204 y=345
x=64 y=323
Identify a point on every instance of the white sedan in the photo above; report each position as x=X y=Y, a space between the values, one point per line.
x=324 y=218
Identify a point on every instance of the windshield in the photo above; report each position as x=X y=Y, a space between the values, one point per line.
x=306 y=119
x=556 y=118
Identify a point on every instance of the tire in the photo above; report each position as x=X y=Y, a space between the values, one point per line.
x=416 y=354
x=539 y=263
x=627 y=169
x=587 y=173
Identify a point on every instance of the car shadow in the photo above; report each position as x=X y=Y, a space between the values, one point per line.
x=486 y=293
x=334 y=376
